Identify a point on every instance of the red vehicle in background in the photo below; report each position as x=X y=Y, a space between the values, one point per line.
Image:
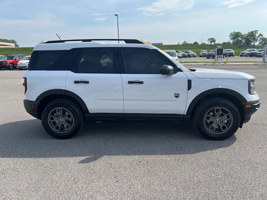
x=10 y=61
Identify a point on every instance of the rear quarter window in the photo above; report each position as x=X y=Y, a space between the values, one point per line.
x=52 y=60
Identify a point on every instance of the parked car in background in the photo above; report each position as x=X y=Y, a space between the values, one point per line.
x=246 y=52
x=260 y=53
x=253 y=53
x=1 y=57
x=228 y=53
x=184 y=55
x=11 y=61
x=172 y=53
x=190 y=53
x=211 y=54
x=24 y=63
x=203 y=53
x=179 y=54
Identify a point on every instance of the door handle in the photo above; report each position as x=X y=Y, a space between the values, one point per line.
x=81 y=81
x=135 y=82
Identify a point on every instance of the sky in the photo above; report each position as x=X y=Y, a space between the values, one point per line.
x=30 y=22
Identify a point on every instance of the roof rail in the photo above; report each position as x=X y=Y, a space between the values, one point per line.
x=127 y=41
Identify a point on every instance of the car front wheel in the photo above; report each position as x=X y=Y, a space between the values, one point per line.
x=217 y=119
x=62 y=118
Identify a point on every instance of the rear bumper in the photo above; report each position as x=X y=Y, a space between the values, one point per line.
x=250 y=108
x=31 y=108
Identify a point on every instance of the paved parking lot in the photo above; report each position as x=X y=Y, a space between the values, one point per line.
x=129 y=160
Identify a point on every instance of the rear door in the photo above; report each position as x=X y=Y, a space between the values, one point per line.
x=96 y=79
x=145 y=90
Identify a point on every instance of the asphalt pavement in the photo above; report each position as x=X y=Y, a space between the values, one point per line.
x=135 y=160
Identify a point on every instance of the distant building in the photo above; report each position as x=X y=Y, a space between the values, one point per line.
x=7 y=45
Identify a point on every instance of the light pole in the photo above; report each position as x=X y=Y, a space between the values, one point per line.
x=118 y=26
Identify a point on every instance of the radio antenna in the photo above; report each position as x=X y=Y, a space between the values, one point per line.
x=58 y=36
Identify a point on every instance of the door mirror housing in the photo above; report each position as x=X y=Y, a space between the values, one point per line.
x=167 y=70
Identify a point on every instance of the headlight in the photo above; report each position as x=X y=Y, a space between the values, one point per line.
x=252 y=87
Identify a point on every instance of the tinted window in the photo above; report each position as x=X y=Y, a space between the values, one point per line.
x=44 y=60
x=143 y=61
x=97 y=60
x=19 y=56
x=52 y=60
x=9 y=57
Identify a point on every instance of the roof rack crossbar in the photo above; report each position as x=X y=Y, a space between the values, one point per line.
x=127 y=41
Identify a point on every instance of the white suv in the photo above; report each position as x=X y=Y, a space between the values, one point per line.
x=71 y=81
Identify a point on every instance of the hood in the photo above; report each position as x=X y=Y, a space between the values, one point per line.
x=24 y=61
x=219 y=74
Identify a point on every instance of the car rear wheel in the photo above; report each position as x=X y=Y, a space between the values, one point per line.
x=217 y=119
x=62 y=119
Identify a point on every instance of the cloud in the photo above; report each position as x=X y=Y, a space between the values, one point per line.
x=41 y=21
x=30 y=31
x=160 y=7
x=236 y=3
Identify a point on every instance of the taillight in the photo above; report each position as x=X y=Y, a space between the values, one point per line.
x=25 y=84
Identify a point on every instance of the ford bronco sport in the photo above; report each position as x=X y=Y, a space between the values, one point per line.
x=71 y=81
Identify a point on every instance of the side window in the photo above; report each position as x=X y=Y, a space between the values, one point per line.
x=97 y=60
x=52 y=60
x=44 y=60
x=143 y=61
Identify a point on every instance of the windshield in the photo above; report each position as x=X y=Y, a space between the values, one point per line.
x=171 y=53
x=179 y=65
x=27 y=58
x=9 y=57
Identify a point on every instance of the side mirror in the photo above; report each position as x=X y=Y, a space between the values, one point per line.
x=167 y=70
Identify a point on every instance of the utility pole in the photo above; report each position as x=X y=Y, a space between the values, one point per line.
x=118 y=27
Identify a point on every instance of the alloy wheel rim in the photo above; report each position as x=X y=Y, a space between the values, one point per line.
x=218 y=120
x=60 y=120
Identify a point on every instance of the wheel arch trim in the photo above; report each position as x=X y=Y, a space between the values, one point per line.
x=214 y=92
x=62 y=92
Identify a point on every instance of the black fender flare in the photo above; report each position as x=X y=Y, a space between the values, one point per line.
x=61 y=92
x=217 y=92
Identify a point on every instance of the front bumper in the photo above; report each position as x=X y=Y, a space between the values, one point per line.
x=22 y=67
x=31 y=108
x=250 y=108
x=3 y=65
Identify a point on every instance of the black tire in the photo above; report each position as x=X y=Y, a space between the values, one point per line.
x=217 y=119
x=11 y=66
x=62 y=118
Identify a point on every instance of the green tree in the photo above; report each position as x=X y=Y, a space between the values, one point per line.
x=211 y=40
x=263 y=41
x=195 y=43
x=252 y=37
x=237 y=38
